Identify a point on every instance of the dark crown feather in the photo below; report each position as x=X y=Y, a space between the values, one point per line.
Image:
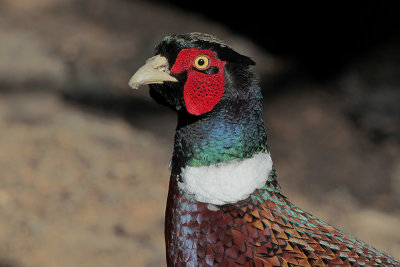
x=176 y=42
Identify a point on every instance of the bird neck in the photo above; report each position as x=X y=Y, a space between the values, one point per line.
x=209 y=152
x=233 y=130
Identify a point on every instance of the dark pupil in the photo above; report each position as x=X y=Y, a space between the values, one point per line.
x=201 y=62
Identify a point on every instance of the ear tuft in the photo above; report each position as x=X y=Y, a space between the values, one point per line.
x=230 y=55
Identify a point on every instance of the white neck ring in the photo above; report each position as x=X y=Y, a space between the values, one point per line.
x=227 y=182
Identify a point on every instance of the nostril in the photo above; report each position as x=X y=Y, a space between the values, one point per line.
x=163 y=68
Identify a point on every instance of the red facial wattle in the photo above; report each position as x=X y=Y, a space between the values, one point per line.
x=202 y=91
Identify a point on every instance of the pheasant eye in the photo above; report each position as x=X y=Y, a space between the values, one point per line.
x=202 y=62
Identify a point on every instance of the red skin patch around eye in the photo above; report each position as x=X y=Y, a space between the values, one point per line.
x=201 y=91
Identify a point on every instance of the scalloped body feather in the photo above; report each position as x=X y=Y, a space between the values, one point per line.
x=264 y=229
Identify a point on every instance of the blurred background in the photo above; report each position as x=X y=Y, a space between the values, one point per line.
x=83 y=158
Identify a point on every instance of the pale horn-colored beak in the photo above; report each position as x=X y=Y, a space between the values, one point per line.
x=154 y=71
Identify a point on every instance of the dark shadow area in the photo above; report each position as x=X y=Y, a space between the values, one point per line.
x=8 y=263
x=322 y=37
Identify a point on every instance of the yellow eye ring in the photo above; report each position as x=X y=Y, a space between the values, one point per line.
x=202 y=62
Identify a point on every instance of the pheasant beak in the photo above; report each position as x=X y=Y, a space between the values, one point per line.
x=154 y=71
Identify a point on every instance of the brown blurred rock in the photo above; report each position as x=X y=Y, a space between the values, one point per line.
x=69 y=178
x=372 y=92
x=319 y=150
x=25 y=61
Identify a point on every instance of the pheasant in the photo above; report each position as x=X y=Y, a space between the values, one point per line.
x=224 y=205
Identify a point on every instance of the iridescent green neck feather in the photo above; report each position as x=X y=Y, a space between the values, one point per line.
x=233 y=130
